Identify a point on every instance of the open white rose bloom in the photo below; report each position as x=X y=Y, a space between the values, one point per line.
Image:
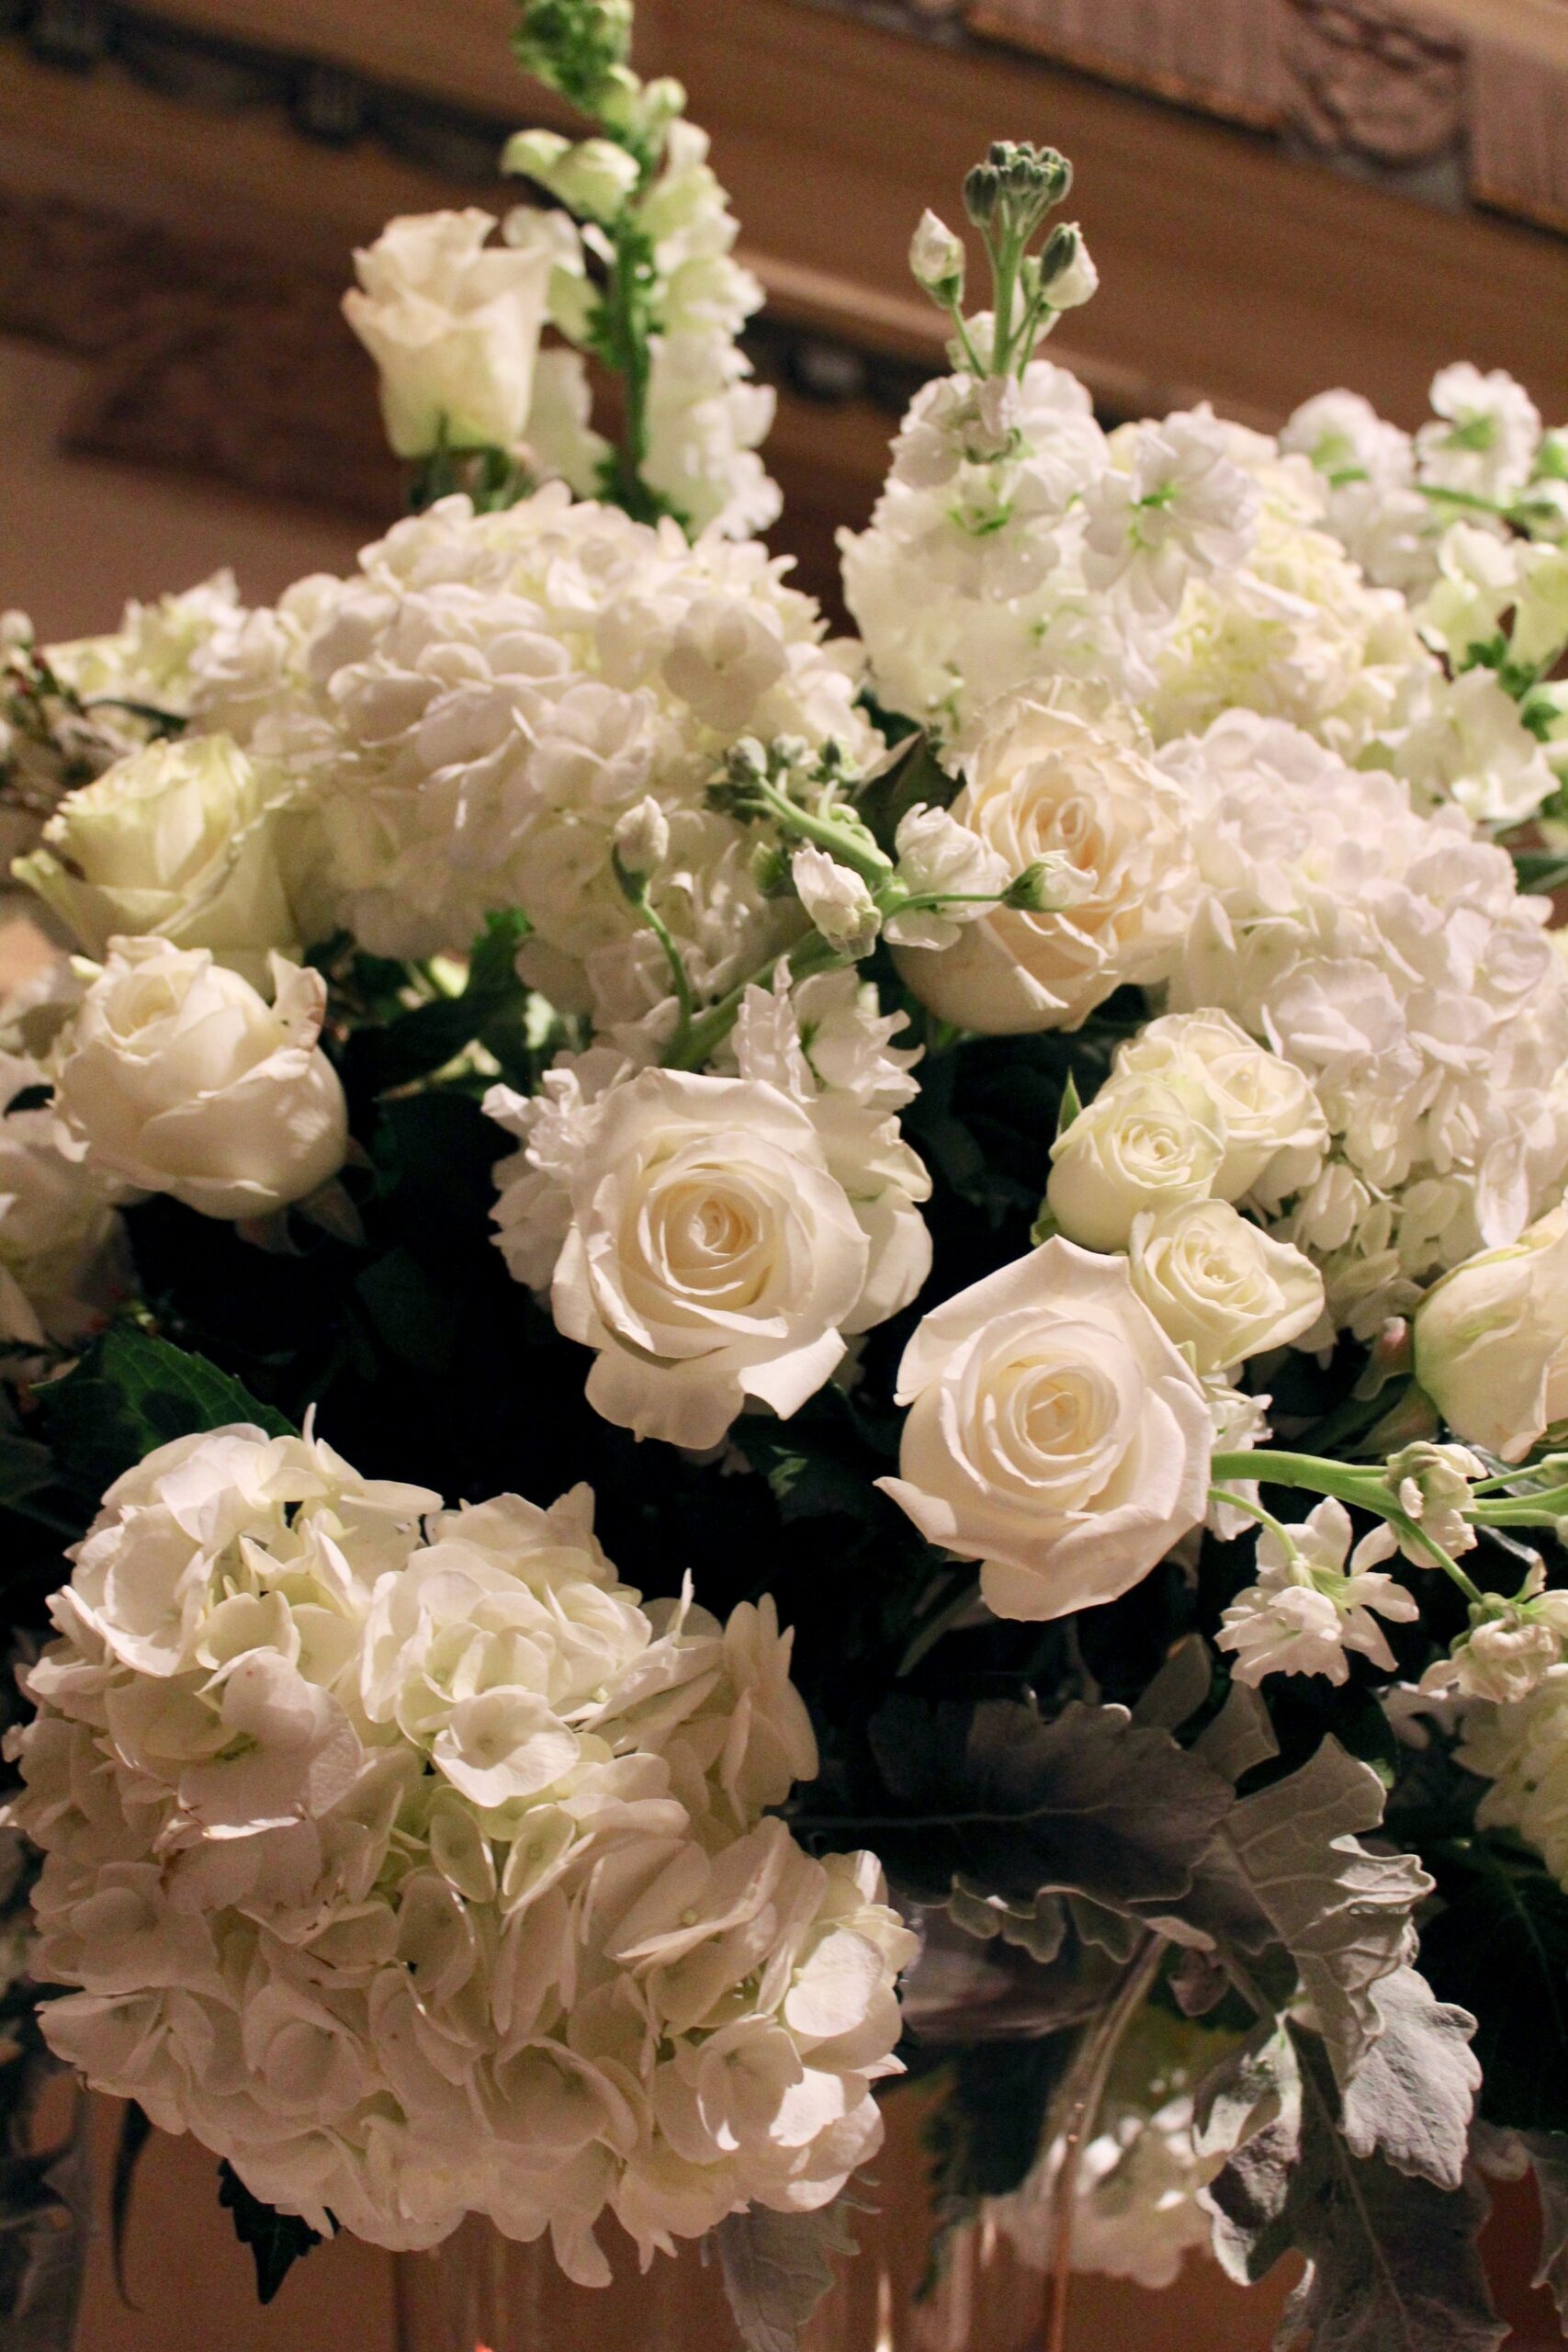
x=1008 y=1171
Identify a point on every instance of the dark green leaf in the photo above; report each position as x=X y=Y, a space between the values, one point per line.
x=276 y=2240
x=1087 y=1804
x=131 y=1393
x=1499 y=1946
x=777 y=2268
x=426 y=1039
x=31 y=1098
x=135 y=2131
x=409 y=1310
x=1392 y=2261
x=24 y=1467
x=985 y=2135
x=807 y=1479
x=912 y=775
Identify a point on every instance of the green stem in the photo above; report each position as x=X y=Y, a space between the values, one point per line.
x=952 y=1612
x=1362 y=1487
x=1005 y=268
x=1253 y=1511
x=847 y=848
x=1085 y=2093
x=965 y=341
x=708 y=1030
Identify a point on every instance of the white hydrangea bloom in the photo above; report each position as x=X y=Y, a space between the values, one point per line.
x=474 y=710
x=1390 y=958
x=413 y=1865
x=1520 y=1745
x=1307 y=1607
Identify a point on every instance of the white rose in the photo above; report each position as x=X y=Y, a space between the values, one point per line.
x=454 y=327
x=181 y=1079
x=1143 y=1142
x=711 y=1256
x=1223 y=1290
x=1055 y=1433
x=1492 y=1341
x=1045 y=782
x=58 y=1234
x=1275 y=1131
x=179 y=842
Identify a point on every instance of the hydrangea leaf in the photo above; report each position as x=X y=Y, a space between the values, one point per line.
x=276 y=2240
x=130 y=1393
x=1499 y=1945
x=777 y=2268
x=1391 y=2263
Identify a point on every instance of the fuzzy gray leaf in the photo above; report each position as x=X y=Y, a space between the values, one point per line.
x=1343 y=1914
x=45 y=2217
x=1179 y=1689
x=1411 y=2096
x=1549 y=2160
x=1392 y=2261
x=776 y=2268
x=1240 y=1736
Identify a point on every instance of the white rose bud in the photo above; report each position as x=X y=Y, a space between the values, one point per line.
x=454 y=327
x=1054 y=1434
x=837 y=900
x=180 y=842
x=1220 y=1288
x=179 y=1078
x=1275 y=1130
x=936 y=258
x=1070 y=275
x=642 y=837
x=1492 y=1341
x=1142 y=1143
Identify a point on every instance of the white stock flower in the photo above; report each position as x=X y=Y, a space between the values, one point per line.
x=1046 y=780
x=1307 y=1607
x=1478 y=582
x=1433 y=1483
x=453 y=323
x=936 y=256
x=1512 y=1647
x=1142 y=1143
x=413 y=1865
x=179 y=1078
x=1054 y=1434
x=1483 y=435
x=1074 y=279
x=1492 y=1341
x=938 y=856
x=642 y=837
x=1472 y=747
x=1223 y=1290
x=1540 y=614
x=837 y=900
x=178 y=842
x=1171 y=502
x=1368 y=468
x=1521 y=1748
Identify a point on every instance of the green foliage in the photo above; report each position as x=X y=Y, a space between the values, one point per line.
x=132 y=1392
x=276 y=2241
x=1498 y=1944
x=491 y=1011
x=575 y=46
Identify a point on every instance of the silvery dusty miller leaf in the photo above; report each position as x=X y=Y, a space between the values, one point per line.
x=1413 y=2093
x=1392 y=2262
x=777 y=2268
x=1549 y=2160
x=1343 y=1914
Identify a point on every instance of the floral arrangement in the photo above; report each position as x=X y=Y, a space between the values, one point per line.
x=1027 y=1147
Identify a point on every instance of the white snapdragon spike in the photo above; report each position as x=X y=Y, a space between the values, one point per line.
x=1389 y=956
x=1308 y=1607
x=1062 y=777
x=715 y=1238
x=175 y=1075
x=1484 y=435
x=1170 y=504
x=453 y=323
x=182 y=840
x=419 y=1869
x=470 y=714
x=1055 y=1433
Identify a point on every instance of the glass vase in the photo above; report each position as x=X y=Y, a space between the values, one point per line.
x=478 y=2292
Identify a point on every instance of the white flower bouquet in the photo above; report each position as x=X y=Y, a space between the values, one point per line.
x=1027 y=1148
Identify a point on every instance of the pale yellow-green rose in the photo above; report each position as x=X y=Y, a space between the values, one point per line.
x=1492 y=1341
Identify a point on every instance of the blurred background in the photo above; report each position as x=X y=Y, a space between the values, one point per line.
x=1280 y=195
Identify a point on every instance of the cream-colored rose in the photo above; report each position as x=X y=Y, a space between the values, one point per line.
x=1142 y=1143
x=1492 y=1341
x=712 y=1255
x=179 y=842
x=453 y=324
x=1055 y=1433
x=181 y=1079
x=1047 y=779
x=1274 y=1128
x=1223 y=1290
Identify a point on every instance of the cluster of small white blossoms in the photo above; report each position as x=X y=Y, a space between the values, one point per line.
x=409 y=1862
x=706 y=418
x=471 y=713
x=1390 y=957
x=1181 y=562
x=717 y=1238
